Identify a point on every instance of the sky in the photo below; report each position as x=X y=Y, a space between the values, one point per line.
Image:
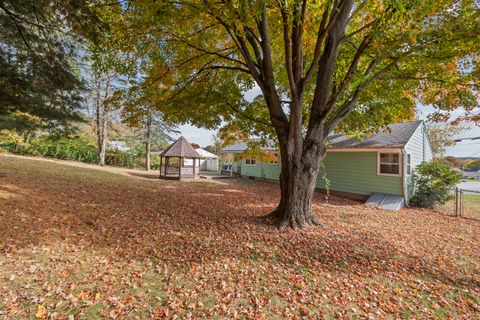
x=203 y=137
x=467 y=148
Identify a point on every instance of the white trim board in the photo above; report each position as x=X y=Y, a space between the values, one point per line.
x=365 y=149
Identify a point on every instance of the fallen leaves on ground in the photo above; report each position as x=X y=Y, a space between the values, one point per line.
x=77 y=243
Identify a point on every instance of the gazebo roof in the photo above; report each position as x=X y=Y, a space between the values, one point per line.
x=180 y=148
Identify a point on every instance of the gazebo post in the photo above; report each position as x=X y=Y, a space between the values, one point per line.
x=161 y=166
x=193 y=168
x=167 y=161
x=180 y=164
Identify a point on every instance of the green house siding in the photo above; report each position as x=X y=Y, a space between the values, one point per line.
x=356 y=172
x=420 y=150
x=352 y=172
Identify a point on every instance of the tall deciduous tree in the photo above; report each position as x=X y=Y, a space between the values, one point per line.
x=106 y=64
x=320 y=66
x=140 y=109
x=104 y=77
x=102 y=83
x=152 y=125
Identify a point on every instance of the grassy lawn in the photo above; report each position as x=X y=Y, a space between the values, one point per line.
x=471 y=205
x=473 y=200
x=79 y=243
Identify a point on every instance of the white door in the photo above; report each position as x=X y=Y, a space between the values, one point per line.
x=212 y=164
x=203 y=164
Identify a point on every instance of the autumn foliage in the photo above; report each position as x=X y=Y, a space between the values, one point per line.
x=85 y=243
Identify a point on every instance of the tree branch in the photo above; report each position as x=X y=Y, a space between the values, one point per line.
x=228 y=68
x=279 y=118
x=351 y=70
x=368 y=25
x=350 y=105
x=287 y=42
x=14 y=17
x=241 y=45
x=326 y=68
x=238 y=111
x=323 y=29
x=297 y=47
x=215 y=53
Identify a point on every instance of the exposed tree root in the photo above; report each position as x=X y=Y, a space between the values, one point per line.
x=275 y=214
x=295 y=220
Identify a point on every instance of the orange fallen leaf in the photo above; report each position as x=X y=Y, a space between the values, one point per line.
x=41 y=312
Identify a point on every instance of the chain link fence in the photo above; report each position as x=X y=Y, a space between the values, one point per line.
x=465 y=203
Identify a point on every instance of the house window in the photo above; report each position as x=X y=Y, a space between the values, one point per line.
x=389 y=164
x=251 y=161
x=409 y=164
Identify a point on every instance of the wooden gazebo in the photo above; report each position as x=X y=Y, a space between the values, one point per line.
x=179 y=161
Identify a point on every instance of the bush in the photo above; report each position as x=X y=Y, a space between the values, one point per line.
x=155 y=162
x=434 y=181
x=10 y=140
x=69 y=146
x=77 y=148
x=119 y=158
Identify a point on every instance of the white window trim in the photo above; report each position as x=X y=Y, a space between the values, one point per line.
x=400 y=164
x=408 y=164
x=249 y=164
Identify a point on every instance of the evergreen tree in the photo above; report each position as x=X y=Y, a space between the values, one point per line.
x=38 y=54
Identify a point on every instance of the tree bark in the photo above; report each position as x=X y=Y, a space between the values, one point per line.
x=298 y=178
x=101 y=120
x=101 y=133
x=102 y=147
x=301 y=150
x=148 y=137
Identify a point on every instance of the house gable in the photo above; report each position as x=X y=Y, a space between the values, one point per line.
x=419 y=147
x=420 y=150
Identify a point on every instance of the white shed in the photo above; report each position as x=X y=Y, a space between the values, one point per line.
x=208 y=160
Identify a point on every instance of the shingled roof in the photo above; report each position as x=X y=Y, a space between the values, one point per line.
x=397 y=135
x=180 y=148
x=243 y=146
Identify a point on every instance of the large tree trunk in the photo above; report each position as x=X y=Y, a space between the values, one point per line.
x=148 y=138
x=297 y=186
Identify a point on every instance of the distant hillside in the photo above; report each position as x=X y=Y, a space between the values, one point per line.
x=467 y=158
x=465 y=163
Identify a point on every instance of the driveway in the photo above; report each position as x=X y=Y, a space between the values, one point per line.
x=470 y=185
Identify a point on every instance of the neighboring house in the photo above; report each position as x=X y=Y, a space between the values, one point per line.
x=229 y=163
x=118 y=145
x=470 y=174
x=208 y=160
x=381 y=163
